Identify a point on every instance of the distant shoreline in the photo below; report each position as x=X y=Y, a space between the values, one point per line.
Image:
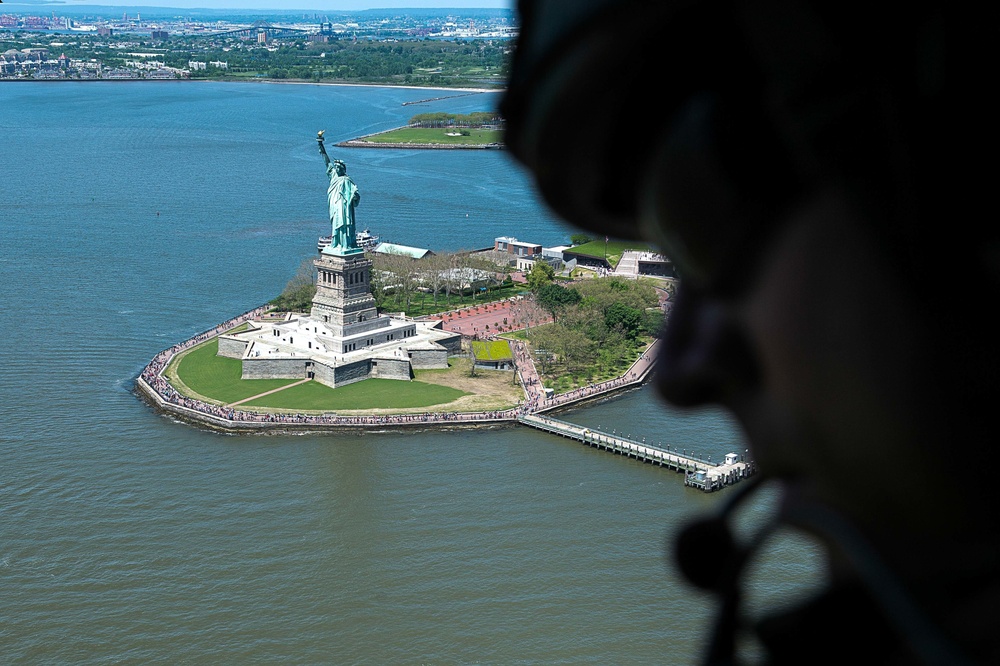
x=360 y=143
x=369 y=85
x=274 y=81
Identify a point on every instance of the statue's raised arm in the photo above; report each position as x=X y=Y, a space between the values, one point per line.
x=322 y=148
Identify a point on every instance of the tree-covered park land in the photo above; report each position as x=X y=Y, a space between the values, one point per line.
x=471 y=64
x=600 y=326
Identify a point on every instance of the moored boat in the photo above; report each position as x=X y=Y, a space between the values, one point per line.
x=365 y=239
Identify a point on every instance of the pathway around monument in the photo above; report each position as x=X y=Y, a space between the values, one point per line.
x=260 y=395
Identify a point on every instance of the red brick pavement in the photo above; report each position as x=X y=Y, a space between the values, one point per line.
x=484 y=320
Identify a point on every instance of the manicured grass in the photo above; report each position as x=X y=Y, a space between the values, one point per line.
x=367 y=394
x=437 y=135
x=218 y=377
x=491 y=350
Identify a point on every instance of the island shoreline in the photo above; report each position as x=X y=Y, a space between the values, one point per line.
x=154 y=389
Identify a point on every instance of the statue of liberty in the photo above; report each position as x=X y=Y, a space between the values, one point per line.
x=343 y=196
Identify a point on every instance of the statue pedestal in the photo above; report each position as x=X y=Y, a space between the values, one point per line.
x=343 y=298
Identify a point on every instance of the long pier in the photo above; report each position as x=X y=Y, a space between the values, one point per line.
x=698 y=473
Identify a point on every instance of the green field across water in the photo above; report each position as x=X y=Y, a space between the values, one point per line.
x=443 y=136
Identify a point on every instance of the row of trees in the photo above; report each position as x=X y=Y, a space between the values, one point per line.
x=433 y=283
x=475 y=119
x=298 y=294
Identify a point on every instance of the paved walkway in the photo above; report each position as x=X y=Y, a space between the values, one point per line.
x=490 y=319
x=280 y=388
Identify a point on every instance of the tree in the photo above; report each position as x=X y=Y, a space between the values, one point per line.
x=554 y=297
x=300 y=290
x=544 y=342
x=540 y=275
x=580 y=239
x=398 y=276
x=628 y=319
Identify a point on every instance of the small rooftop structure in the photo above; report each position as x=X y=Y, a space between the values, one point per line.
x=492 y=354
x=406 y=250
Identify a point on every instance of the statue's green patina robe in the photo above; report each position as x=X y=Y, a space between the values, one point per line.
x=343 y=196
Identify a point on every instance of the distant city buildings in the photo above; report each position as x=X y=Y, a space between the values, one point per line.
x=90 y=38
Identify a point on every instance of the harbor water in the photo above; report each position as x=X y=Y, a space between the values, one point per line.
x=134 y=215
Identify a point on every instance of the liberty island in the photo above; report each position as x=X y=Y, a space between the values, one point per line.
x=344 y=340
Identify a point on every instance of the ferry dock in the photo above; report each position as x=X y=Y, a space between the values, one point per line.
x=702 y=474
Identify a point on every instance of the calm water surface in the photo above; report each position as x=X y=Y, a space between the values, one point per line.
x=135 y=215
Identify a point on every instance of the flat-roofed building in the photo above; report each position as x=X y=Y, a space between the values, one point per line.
x=517 y=248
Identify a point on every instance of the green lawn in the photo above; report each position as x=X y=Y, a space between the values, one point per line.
x=491 y=350
x=218 y=377
x=437 y=135
x=367 y=394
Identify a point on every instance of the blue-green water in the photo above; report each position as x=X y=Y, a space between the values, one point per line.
x=135 y=215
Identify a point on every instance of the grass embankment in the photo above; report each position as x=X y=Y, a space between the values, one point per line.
x=614 y=249
x=205 y=375
x=367 y=394
x=491 y=350
x=202 y=374
x=437 y=136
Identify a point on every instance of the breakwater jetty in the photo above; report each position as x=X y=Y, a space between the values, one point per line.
x=153 y=386
x=437 y=99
